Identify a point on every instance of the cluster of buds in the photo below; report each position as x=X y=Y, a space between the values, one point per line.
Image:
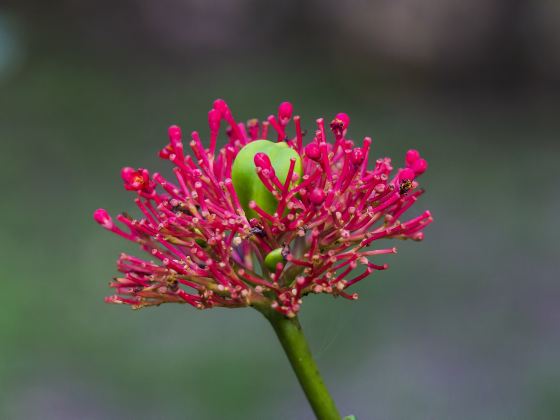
x=262 y=222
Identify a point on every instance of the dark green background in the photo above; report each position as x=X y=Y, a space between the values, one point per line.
x=465 y=325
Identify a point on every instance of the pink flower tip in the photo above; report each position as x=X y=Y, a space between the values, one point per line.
x=126 y=173
x=317 y=196
x=357 y=156
x=262 y=161
x=175 y=135
x=136 y=180
x=285 y=111
x=221 y=106
x=214 y=117
x=412 y=156
x=103 y=218
x=420 y=166
x=407 y=174
x=418 y=236
x=312 y=151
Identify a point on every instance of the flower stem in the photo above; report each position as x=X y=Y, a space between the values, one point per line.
x=293 y=341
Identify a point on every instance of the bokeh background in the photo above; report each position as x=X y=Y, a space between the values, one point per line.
x=465 y=325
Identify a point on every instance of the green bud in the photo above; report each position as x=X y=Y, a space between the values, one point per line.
x=274 y=257
x=247 y=183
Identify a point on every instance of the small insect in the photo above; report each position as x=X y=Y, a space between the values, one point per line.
x=406 y=186
x=256 y=230
x=181 y=208
x=172 y=284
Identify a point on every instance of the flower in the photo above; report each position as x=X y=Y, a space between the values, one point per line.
x=259 y=222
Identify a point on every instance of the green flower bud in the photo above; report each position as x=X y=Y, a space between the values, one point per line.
x=247 y=183
x=273 y=257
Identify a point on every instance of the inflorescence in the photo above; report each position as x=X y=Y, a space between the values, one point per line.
x=210 y=248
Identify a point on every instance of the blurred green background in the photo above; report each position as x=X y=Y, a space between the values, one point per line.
x=465 y=325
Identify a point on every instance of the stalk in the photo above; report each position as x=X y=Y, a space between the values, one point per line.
x=295 y=345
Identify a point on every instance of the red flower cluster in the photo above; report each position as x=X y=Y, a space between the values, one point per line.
x=207 y=252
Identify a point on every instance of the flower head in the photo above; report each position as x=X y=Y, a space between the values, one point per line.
x=265 y=220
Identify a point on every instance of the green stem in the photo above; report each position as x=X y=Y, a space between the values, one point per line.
x=293 y=341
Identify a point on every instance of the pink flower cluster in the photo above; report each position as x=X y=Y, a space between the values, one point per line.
x=207 y=253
